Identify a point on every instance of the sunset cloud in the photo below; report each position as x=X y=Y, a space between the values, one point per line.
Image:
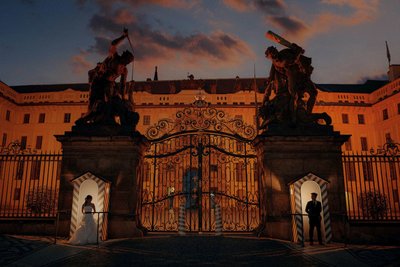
x=80 y=64
x=362 y=11
x=150 y=43
x=276 y=13
x=381 y=77
x=239 y=5
x=154 y=46
x=135 y=3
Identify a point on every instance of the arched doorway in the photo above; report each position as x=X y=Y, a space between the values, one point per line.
x=196 y=160
x=300 y=191
x=98 y=188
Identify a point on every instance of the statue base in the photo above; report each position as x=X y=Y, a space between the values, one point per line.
x=288 y=154
x=110 y=153
x=287 y=129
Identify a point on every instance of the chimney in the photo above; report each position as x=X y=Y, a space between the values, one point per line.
x=155 y=75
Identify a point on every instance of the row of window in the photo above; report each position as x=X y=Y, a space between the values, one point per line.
x=24 y=140
x=360 y=117
x=41 y=119
x=367 y=170
x=385 y=113
x=364 y=142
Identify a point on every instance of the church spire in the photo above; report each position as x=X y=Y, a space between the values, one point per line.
x=155 y=75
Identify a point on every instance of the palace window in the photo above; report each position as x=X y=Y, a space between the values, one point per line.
x=396 y=195
x=26 y=118
x=20 y=170
x=35 y=170
x=345 y=118
x=8 y=114
x=364 y=144
x=347 y=144
x=350 y=170
x=388 y=138
x=42 y=117
x=4 y=141
x=361 y=119
x=385 y=114
x=17 y=194
x=368 y=171
x=39 y=140
x=67 y=117
x=24 y=140
x=392 y=170
x=146 y=120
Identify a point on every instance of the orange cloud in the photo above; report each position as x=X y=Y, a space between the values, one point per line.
x=276 y=13
x=123 y=17
x=238 y=5
x=80 y=64
x=105 y=4
x=363 y=11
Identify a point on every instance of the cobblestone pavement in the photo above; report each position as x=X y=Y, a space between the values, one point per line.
x=191 y=250
x=13 y=248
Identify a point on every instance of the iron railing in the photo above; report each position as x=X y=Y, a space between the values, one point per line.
x=100 y=229
x=29 y=184
x=372 y=186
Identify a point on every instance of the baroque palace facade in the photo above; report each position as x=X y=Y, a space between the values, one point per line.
x=33 y=114
x=369 y=113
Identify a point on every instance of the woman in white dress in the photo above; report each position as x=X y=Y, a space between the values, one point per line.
x=87 y=230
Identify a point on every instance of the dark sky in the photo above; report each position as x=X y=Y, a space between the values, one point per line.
x=58 y=41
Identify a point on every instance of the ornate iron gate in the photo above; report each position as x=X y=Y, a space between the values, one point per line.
x=208 y=162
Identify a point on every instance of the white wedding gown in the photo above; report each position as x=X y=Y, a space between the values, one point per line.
x=87 y=230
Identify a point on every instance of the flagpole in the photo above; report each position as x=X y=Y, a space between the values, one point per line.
x=133 y=61
x=255 y=97
x=387 y=52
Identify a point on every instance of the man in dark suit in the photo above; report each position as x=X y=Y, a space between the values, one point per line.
x=313 y=210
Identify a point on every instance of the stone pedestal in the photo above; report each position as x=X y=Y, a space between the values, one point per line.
x=113 y=158
x=289 y=155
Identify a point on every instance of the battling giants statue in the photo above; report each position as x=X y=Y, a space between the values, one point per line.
x=109 y=104
x=290 y=79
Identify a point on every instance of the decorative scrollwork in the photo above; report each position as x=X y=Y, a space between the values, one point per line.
x=199 y=117
x=15 y=148
x=389 y=149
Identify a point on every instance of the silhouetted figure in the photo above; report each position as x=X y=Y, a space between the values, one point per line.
x=87 y=230
x=296 y=69
x=313 y=209
x=107 y=100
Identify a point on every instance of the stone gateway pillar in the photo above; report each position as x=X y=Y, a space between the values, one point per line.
x=115 y=159
x=286 y=156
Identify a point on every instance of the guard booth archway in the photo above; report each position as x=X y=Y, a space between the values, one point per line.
x=300 y=194
x=199 y=159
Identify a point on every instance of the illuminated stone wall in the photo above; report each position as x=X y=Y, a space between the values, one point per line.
x=153 y=107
